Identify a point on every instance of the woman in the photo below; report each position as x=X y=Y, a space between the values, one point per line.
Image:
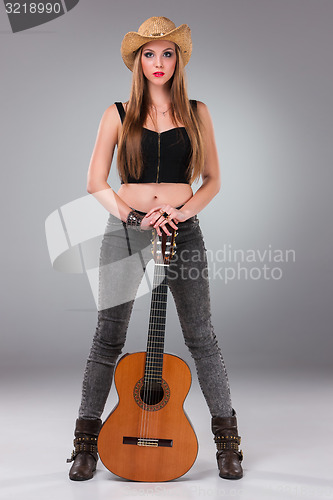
x=165 y=143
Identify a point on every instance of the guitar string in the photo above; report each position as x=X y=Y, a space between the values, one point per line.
x=157 y=318
x=164 y=290
x=146 y=380
x=155 y=332
x=162 y=314
x=147 y=368
x=160 y=323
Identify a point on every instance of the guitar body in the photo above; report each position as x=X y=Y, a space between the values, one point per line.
x=148 y=437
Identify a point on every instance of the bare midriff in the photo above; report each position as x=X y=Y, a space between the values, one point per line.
x=145 y=196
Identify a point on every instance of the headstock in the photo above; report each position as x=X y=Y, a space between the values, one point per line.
x=164 y=246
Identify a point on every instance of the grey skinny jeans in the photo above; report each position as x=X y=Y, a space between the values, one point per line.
x=124 y=255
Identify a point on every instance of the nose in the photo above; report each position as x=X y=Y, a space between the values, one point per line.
x=158 y=62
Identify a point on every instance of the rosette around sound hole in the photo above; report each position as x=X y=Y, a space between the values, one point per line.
x=151 y=396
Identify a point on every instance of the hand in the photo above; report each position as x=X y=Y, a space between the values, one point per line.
x=159 y=222
x=147 y=222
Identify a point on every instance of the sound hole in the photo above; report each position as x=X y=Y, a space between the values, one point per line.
x=152 y=397
x=152 y=393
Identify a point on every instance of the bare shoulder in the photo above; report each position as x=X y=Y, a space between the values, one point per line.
x=111 y=116
x=204 y=114
x=201 y=105
x=110 y=124
x=202 y=109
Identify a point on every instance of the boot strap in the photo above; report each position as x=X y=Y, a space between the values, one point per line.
x=228 y=440
x=87 y=444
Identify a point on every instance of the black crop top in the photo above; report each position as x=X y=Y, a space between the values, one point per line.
x=165 y=155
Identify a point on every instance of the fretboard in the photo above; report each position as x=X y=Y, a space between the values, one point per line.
x=156 y=331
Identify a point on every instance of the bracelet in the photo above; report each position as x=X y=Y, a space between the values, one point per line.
x=134 y=220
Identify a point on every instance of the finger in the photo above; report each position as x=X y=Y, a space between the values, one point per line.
x=172 y=224
x=164 y=226
x=167 y=220
x=157 y=220
x=165 y=229
x=152 y=210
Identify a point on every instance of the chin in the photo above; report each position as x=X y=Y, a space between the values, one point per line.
x=159 y=81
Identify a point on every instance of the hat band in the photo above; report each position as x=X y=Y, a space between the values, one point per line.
x=156 y=34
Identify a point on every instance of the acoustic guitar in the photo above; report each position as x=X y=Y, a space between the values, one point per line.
x=148 y=436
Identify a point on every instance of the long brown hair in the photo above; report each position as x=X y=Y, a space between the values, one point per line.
x=129 y=158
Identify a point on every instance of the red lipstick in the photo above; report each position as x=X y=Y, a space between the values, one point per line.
x=158 y=73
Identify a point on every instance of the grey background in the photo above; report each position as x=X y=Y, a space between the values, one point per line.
x=264 y=69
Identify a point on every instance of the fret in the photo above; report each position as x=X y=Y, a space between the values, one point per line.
x=155 y=363
x=155 y=356
x=154 y=371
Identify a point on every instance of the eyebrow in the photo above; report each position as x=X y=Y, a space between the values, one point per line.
x=151 y=50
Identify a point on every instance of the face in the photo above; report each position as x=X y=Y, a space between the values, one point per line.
x=158 y=60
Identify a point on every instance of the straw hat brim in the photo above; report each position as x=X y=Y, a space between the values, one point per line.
x=132 y=41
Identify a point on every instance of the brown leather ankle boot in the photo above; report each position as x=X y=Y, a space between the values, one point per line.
x=84 y=454
x=227 y=441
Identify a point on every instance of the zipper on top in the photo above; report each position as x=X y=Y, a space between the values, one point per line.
x=158 y=154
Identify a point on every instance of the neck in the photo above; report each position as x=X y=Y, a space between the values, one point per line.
x=159 y=96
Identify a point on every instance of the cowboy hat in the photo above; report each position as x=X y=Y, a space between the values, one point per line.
x=156 y=28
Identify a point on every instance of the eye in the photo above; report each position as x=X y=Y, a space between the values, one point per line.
x=148 y=54
x=168 y=54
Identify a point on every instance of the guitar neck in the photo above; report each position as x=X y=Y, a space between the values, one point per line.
x=156 y=330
